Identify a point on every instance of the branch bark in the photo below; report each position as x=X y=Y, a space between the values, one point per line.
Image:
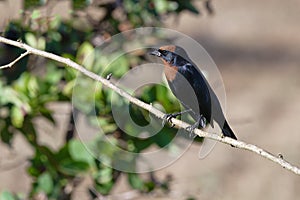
x=179 y=124
x=9 y=65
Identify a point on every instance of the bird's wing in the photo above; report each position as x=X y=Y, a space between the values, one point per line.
x=182 y=88
x=201 y=89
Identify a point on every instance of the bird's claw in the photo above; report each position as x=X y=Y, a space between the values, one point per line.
x=168 y=118
x=191 y=129
x=200 y=122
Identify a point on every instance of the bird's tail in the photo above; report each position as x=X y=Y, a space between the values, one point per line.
x=226 y=130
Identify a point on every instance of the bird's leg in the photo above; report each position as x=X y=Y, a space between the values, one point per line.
x=201 y=121
x=168 y=117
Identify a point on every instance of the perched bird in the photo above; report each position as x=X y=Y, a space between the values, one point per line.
x=185 y=81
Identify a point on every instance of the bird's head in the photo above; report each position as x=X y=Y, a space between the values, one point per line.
x=166 y=53
x=170 y=56
x=169 y=52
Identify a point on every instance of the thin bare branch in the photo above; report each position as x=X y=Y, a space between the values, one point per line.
x=9 y=65
x=179 y=124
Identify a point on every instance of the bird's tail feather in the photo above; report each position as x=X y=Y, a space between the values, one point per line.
x=226 y=130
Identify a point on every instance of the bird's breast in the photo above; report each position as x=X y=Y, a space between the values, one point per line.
x=170 y=71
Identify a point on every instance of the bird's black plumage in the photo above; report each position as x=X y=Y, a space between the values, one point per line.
x=186 y=81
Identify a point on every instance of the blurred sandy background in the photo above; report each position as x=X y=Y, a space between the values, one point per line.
x=256 y=45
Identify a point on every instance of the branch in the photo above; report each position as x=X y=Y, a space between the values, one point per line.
x=179 y=124
x=9 y=65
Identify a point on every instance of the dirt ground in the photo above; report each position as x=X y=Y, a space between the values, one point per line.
x=256 y=46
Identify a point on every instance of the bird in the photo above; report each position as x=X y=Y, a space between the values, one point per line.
x=185 y=81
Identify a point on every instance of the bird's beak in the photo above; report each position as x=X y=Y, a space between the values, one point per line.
x=155 y=53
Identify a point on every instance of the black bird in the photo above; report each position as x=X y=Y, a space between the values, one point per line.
x=186 y=81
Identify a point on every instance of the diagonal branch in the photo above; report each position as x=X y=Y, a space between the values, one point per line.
x=9 y=65
x=179 y=124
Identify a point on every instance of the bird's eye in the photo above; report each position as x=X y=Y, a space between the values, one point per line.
x=164 y=52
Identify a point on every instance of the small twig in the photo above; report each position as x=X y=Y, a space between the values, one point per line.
x=280 y=156
x=108 y=76
x=179 y=124
x=9 y=65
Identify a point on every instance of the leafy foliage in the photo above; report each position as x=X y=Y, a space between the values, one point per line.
x=28 y=87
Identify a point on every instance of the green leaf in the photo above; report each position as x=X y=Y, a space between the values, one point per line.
x=164 y=137
x=54 y=24
x=149 y=186
x=104 y=188
x=33 y=86
x=104 y=175
x=68 y=89
x=47 y=114
x=86 y=55
x=53 y=74
x=119 y=66
x=135 y=181
x=70 y=73
x=79 y=152
x=187 y=5
x=41 y=43
x=5 y=133
x=73 y=168
x=172 y=6
x=141 y=144
x=161 y=6
x=5 y=195
x=45 y=183
x=104 y=123
x=28 y=130
x=83 y=94
x=35 y=14
x=80 y=4
x=17 y=117
x=33 y=3
x=31 y=39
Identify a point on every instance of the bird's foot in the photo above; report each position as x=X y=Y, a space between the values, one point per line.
x=200 y=122
x=191 y=129
x=168 y=118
